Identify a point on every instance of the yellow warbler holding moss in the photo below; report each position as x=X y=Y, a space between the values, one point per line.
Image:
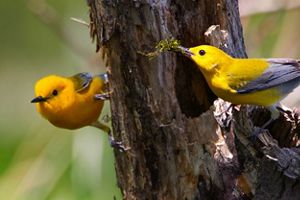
x=246 y=81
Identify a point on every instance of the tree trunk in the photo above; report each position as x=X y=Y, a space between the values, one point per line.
x=162 y=108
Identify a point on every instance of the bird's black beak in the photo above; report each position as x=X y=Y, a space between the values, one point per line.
x=186 y=51
x=38 y=99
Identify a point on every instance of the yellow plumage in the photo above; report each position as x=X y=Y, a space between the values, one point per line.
x=69 y=109
x=74 y=102
x=245 y=81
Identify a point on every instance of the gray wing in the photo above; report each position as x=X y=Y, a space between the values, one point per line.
x=81 y=80
x=282 y=72
x=104 y=77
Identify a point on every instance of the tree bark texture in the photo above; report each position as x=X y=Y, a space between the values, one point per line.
x=182 y=147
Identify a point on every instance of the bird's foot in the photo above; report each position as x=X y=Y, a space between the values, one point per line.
x=103 y=96
x=257 y=133
x=259 y=130
x=117 y=145
x=263 y=134
x=112 y=141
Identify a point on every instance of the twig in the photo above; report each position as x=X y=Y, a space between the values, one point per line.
x=80 y=21
x=49 y=17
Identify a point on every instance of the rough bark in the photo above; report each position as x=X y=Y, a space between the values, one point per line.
x=161 y=108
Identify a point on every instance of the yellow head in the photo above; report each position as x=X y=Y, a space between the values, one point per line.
x=53 y=94
x=207 y=57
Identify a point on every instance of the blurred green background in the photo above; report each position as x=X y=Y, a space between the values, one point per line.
x=37 y=160
x=37 y=38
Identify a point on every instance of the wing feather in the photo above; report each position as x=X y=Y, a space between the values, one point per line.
x=281 y=71
x=81 y=80
x=104 y=77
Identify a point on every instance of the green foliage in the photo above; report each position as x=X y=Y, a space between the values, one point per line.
x=168 y=44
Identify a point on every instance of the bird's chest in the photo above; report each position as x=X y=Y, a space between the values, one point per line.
x=81 y=108
x=219 y=84
x=74 y=112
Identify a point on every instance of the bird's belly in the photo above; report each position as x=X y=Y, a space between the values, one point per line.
x=263 y=98
x=78 y=116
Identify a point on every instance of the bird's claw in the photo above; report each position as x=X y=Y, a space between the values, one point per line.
x=256 y=134
x=117 y=145
x=103 y=97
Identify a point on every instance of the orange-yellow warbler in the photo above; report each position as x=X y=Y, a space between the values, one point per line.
x=246 y=81
x=73 y=102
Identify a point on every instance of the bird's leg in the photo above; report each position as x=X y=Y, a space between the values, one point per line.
x=103 y=96
x=113 y=142
x=274 y=115
x=267 y=123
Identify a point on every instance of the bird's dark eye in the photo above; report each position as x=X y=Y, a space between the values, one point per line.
x=202 y=52
x=54 y=92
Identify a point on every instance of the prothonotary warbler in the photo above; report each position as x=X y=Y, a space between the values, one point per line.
x=74 y=102
x=246 y=81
